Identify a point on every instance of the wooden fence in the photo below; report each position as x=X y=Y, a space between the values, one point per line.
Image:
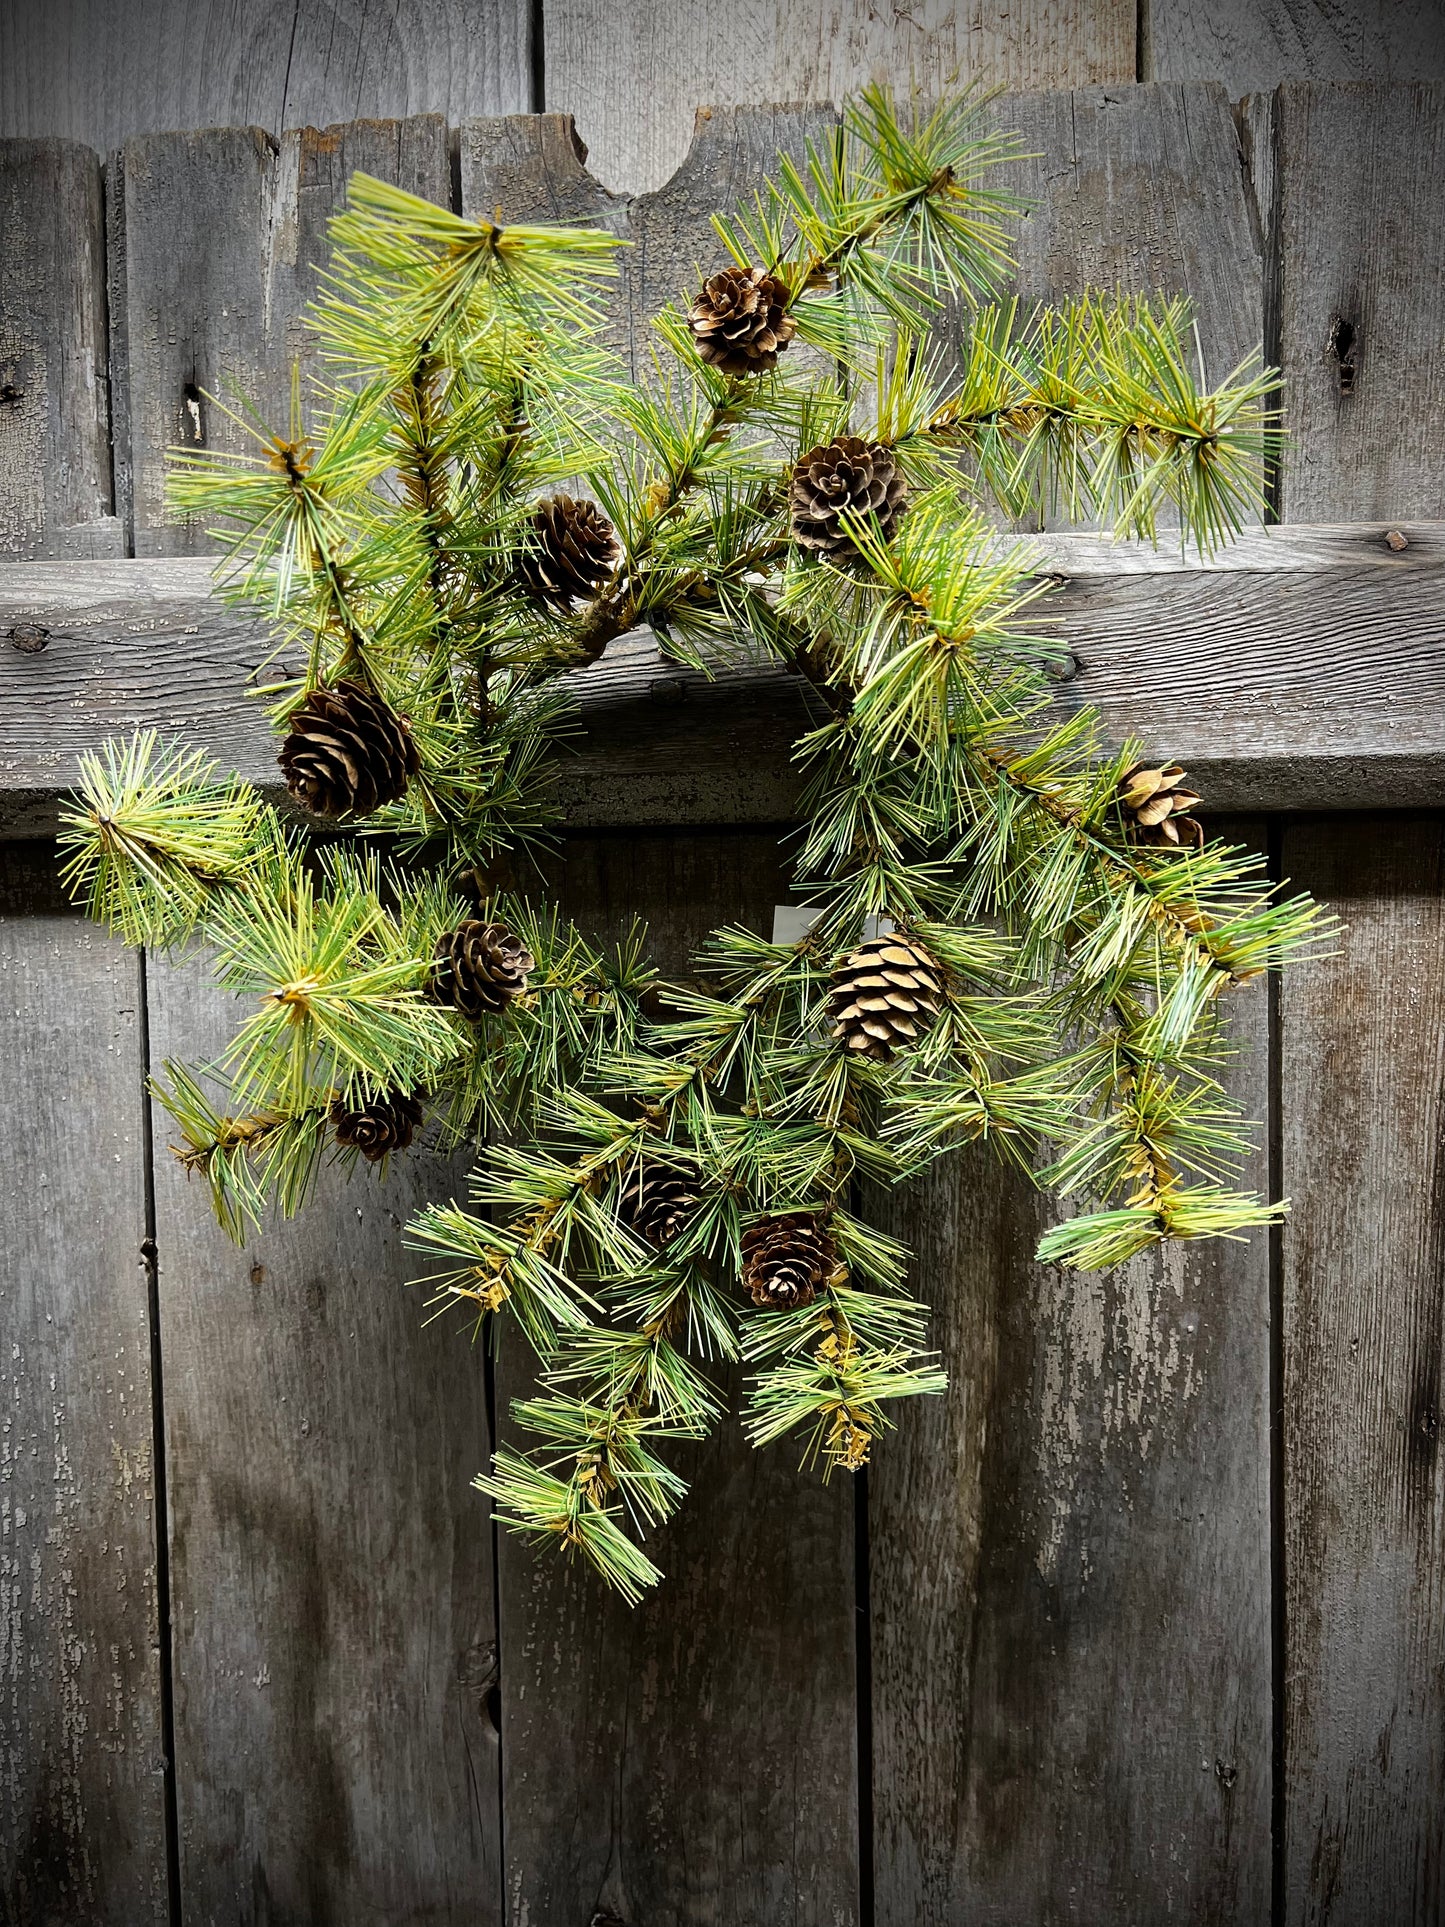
x=1146 y=1620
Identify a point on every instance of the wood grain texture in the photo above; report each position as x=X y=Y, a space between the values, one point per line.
x=1363 y=1109
x=695 y=1759
x=1069 y=1573
x=103 y=73
x=634 y=74
x=1357 y=229
x=82 y=1827
x=1253 y=45
x=331 y=1569
x=55 y=480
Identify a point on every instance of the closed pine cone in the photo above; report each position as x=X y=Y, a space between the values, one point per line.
x=884 y=996
x=655 y=1200
x=573 y=551
x=740 y=321
x=787 y=1260
x=1155 y=805
x=846 y=475
x=386 y=1123
x=480 y=967
x=346 y=752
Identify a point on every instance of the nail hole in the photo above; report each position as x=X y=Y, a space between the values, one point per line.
x=193 y=409
x=28 y=637
x=10 y=395
x=1341 y=351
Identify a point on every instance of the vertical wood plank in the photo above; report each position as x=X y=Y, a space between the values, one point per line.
x=55 y=483
x=694 y=1759
x=82 y=1824
x=1253 y=45
x=1363 y=1106
x=634 y=73
x=331 y=1569
x=225 y=237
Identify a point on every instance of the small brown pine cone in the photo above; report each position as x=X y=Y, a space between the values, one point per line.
x=740 y=321
x=479 y=968
x=884 y=996
x=656 y=1200
x=346 y=752
x=1155 y=805
x=573 y=550
x=846 y=475
x=387 y=1123
x=787 y=1260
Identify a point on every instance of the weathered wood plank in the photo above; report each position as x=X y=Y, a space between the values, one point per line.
x=55 y=480
x=1363 y=1111
x=1253 y=45
x=225 y=237
x=82 y=1821
x=103 y=73
x=331 y=1570
x=1357 y=226
x=1312 y=682
x=1069 y=1573
x=634 y=74
x=693 y=1759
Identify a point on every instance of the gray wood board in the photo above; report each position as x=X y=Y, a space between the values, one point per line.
x=1069 y=1572
x=1253 y=45
x=694 y=1759
x=634 y=73
x=1363 y=1110
x=224 y=239
x=82 y=1824
x=1310 y=678
x=331 y=1568
x=102 y=72
x=55 y=478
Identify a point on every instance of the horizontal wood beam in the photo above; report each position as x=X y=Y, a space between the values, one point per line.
x=1304 y=668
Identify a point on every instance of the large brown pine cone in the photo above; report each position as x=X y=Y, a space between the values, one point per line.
x=387 y=1123
x=740 y=321
x=573 y=550
x=480 y=967
x=656 y=1200
x=347 y=752
x=884 y=996
x=1155 y=805
x=787 y=1260
x=844 y=475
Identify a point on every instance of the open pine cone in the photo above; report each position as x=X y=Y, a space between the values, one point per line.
x=387 y=1123
x=573 y=551
x=884 y=996
x=1155 y=805
x=846 y=474
x=655 y=1200
x=480 y=967
x=346 y=752
x=740 y=321
x=788 y=1260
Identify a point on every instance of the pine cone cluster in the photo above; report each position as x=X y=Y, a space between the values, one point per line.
x=387 y=1123
x=656 y=1200
x=347 y=752
x=573 y=550
x=846 y=475
x=885 y=995
x=740 y=321
x=1155 y=806
x=788 y=1260
x=479 y=967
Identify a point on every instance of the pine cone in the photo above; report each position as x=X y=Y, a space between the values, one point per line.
x=740 y=321
x=884 y=996
x=844 y=474
x=656 y=1200
x=480 y=967
x=1155 y=805
x=387 y=1123
x=574 y=549
x=787 y=1260
x=347 y=753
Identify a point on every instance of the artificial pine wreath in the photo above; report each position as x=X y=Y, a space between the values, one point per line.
x=1018 y=935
